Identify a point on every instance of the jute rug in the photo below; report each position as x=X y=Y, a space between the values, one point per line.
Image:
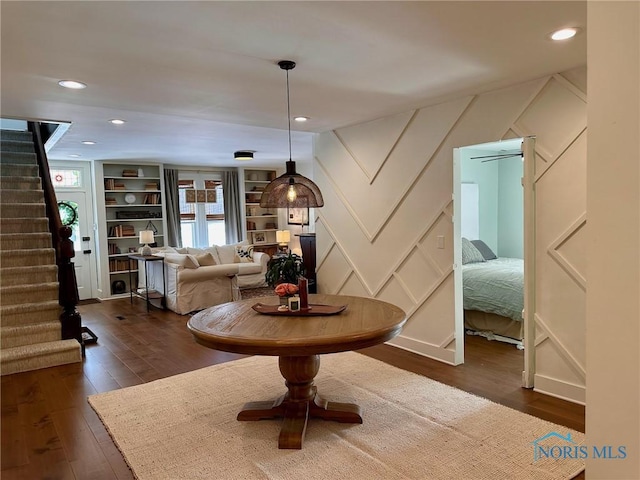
x=184 y=427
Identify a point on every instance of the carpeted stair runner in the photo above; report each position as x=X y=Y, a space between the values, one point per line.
x=30 y=330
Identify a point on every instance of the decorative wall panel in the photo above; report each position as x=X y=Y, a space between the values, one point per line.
x=386 y=228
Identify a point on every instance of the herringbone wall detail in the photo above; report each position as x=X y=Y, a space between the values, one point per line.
x=388 y=188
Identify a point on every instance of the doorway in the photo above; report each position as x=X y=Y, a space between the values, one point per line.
x=491 y=250
x=72 y=182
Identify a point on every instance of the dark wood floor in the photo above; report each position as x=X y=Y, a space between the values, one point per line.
x=49 y=431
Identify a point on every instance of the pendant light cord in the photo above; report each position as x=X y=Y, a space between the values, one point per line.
x=289 y=114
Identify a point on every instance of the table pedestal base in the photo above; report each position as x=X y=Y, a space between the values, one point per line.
x=300 y=403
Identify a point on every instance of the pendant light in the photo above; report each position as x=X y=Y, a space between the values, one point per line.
x=291 y=189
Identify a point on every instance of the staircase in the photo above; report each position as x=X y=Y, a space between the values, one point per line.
x=30 y=328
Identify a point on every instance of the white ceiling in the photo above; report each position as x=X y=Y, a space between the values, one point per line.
x=197 y=81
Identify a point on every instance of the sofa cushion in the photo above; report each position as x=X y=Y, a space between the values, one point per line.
x=205 y=259
x=227 y=253
x=186 y=261
x=244 y=254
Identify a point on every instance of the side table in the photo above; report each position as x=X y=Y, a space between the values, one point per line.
x=148 y=295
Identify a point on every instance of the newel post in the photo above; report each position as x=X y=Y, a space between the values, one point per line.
x=68 y=296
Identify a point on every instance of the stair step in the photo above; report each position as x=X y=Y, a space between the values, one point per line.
x=21 y=158
x=19 y=170
x=20 y=135
x=11 y=196
x=26 y=257
x=29 y=334
x=28 y=275
x=24 y=225
x=17 y=146
x=39 y=355
x=20 y=183
x=18 y=294
x=24 y=241
x=19 y=210
x=29 y=313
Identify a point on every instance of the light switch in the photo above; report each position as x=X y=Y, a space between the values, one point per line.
x=440 y=241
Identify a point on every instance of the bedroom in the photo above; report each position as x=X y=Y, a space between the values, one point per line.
x=490 y=294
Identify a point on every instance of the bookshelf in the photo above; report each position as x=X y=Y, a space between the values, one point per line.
x=131 y=200
x=261 y=223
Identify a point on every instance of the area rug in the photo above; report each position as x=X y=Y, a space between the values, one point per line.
x=184 y=427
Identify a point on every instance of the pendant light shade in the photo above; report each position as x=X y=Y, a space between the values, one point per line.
x=291 y=189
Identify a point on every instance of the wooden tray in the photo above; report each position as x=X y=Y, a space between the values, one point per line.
x=313 y=310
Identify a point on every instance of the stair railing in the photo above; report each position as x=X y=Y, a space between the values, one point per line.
x=70 y=319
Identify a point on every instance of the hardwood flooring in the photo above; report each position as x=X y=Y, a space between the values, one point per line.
x=49 y=431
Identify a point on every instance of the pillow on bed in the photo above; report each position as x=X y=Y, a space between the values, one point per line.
x=470 y=254
x=484 y=249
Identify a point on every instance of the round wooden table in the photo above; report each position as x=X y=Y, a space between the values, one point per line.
x=298 y=341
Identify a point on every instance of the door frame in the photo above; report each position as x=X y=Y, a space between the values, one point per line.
x=528 y=182
x=86 y=187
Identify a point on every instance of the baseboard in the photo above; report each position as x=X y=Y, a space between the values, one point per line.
x=422 y=348
x=560 y=389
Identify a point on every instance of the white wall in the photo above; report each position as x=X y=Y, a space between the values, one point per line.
x=510 y=209
x=486 y=176
x=501 y=199
x=388 y=188
x=613 y=180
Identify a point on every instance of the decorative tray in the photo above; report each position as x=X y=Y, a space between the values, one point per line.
x=313 y=310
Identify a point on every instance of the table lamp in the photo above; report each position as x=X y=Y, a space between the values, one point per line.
x=146 y=237
x=283 y=237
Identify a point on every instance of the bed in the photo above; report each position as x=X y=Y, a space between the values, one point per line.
x=493 y=291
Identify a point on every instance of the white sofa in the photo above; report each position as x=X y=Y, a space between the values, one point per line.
x=197 y=278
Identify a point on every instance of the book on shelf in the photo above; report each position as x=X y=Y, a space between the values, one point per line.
x=130 y=172
x=110 y=201
x=109 y=183
x=113 y=249
x=152 y=199
x=122 y=231
x=118 y=264
x=151 y=186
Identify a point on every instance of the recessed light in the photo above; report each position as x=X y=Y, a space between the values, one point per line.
x=89 y=142
x=243 y=155
x=117 y=121
x=564 y=34
x=301 y=119
x=72 y=84
x=74 y=155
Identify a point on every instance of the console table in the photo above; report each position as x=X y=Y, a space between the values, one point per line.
x=148 y=295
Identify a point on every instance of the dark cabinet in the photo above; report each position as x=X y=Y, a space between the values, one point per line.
x=308 y=246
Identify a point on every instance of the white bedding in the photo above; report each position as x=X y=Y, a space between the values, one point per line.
x=495 y=286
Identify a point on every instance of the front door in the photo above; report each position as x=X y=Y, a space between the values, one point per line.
x=72 y=183
x=82 y=238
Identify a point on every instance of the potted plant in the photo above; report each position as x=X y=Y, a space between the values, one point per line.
x=284 y=269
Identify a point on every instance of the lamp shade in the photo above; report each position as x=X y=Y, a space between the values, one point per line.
x=283 y=236
x=146 y=236
x=291 y=190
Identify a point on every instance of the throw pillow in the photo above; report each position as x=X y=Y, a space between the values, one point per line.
x=470 y=254
x=484 y=249
x=244 y=254
x=205 y=260
x=186 y=261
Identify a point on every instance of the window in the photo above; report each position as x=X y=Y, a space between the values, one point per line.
x=65 y=177
x=201 y=209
